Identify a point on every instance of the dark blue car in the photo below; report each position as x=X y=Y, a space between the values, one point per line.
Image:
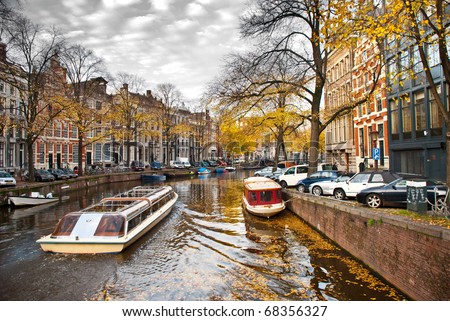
x=156 y=165
x=327 y=175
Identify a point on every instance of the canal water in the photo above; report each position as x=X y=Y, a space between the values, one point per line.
x=207 y=249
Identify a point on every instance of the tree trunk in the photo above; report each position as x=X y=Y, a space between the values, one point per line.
x=80 y=155
x=30 y=160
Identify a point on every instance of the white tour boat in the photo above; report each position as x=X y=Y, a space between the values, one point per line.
x=113 y=224
x=262 y=196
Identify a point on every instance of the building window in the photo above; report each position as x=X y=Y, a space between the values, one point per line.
x=74 y=132
x=404 y=65
x=12 y=106
x=416 y=61
x=392 y=69
x=65 y=155
x=433 y=54
x=379 y=102
x=393 y=106
x=107 y=153
x=41 y=154
x=58 y=130
x=420 y=113
x=98 y=152
x=361 y=142
x=435 y=117
x=75 y=153
x=406 y=116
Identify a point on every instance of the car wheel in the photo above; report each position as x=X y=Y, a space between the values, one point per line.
x=301 y=188
x=283 y=184
x=317 y=190
x=339 y=194
x=256 y=175
x=373 y=200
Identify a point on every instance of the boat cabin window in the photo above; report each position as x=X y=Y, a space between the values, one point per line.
x=111 y=225
x=266 y=196
x=66 y=225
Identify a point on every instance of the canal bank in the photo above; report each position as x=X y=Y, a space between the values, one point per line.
x=57 y=187
x=413 y=256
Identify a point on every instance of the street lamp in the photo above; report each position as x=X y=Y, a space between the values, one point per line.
x=375 y=150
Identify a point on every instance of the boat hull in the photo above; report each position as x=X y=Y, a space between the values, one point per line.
x=73 y=245
x=30 y=201
x=263 y=210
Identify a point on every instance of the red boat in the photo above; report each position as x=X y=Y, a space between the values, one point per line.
x=262 y=196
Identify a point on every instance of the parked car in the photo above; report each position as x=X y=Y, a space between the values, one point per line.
x=221 y=163
x=267 y=171
x=41 y=175
x=156 y=165
x=69 y=172
x=276 y=175
x=186 y=164
x=362 y=181
x=6 y=179
x=176 y=164
x=137 y=166
x=304 y=184
x=394 y=194
x=285 y=164
x=213 y=163
x=327 y=187
x=292 y=175
x=58 y=174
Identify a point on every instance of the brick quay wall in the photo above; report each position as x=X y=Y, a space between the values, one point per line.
x=413 y=256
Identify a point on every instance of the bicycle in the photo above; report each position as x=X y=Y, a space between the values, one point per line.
x=440 y=206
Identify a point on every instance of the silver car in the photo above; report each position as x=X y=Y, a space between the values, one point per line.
x=267 y=171
x=327 y=187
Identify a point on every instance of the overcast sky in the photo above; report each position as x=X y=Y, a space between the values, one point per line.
x=181 y=42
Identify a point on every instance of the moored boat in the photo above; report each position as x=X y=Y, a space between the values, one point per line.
x=113 y=224
x=35 y=198
x=262 y=196
x=203 y=170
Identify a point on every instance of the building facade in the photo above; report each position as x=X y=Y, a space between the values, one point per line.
x=339 y=139
x=416 y=129
x=12 y=143
x=370 y=118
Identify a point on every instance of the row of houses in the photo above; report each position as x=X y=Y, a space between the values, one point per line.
x=399 y=128
x=108 y=142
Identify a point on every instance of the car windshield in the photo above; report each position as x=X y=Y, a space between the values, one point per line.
x=5 y=174
x=342 y=178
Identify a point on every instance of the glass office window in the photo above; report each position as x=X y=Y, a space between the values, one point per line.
x=420 y=113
